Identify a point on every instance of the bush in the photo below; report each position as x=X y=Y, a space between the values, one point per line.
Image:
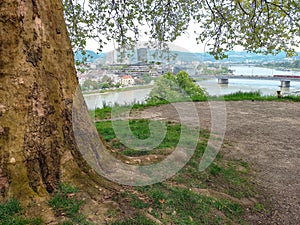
x=174 y=88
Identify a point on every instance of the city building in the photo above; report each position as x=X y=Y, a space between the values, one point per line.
x=142 y=55
x=127 y=80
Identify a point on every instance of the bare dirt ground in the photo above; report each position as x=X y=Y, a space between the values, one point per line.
x=267 y=135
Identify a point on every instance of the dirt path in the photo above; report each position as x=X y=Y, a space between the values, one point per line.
x=266 y=134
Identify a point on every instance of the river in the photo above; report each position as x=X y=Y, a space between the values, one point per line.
x=266 y=87
x=97 y=100
x=260 y=71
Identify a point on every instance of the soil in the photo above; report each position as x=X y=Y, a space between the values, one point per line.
x=265 y=134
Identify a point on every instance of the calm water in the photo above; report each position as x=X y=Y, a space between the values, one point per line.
x=266 y=87
x=118 y=97
x=260 y=71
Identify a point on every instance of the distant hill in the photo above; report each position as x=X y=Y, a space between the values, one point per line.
x=237 y=57
x=90 y=56
x=233 y=57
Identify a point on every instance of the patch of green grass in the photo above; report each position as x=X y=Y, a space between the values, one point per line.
x=182 y=206
x=214 y=169
x=138 y=220
x=64 y=202
x=103 y=113
x=240 y=95
x=67 y=188
x=231 y=177
x=140 y=129
x=259 y=207
x=105 y=129
x=10 y=208
x=137 y=203
x=11 y=214
x=254 y=95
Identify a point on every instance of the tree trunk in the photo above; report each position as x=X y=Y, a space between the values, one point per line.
x=37 y=84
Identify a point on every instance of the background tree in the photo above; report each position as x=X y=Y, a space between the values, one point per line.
x=173 y=88
x=267 y=26
x=38 y=77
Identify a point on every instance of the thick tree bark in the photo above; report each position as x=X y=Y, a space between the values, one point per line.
x=37 y=84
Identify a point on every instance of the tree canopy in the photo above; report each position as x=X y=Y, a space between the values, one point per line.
x=265 y=26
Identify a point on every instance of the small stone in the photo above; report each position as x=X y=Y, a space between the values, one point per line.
x=12 y=160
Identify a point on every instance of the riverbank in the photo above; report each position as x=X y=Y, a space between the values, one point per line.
x=129 y=88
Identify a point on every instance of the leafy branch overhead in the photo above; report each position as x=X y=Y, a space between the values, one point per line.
x=264 y=26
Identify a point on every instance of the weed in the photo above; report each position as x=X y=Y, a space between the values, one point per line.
x=259 y=207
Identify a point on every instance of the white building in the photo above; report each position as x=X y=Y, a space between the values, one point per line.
x=127 y=80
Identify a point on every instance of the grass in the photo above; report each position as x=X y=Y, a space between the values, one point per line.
x=105 y=112
x=11 y=214
x=231 y=177
x=174 y=205
x=240 y=96
x=255 y=95
x=137 y=220
x=173 y=201
x=65 y=203
x=140 y=129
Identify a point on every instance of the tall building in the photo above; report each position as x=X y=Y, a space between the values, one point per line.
x=111 y=57
x=142 y=55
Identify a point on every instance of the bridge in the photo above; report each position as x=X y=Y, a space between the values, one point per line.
x=224 y=79
x=248 y=77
